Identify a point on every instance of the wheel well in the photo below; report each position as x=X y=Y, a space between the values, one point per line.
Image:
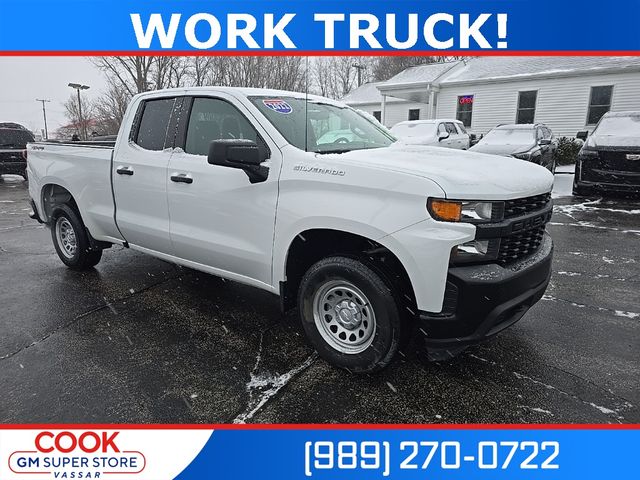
x=313 y=245
x=55 y=195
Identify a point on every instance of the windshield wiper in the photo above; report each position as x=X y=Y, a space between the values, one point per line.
x=343 y=150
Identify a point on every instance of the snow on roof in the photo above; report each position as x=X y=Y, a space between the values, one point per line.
x=427 y=73
x=367 y=93
x=494 y=68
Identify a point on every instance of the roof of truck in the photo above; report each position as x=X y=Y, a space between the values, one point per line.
x=245 y=92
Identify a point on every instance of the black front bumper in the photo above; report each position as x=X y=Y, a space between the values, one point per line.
x=482 y=300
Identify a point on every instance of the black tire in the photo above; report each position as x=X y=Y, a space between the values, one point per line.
x=82 y=257
x=580 y=191
x=387 y=325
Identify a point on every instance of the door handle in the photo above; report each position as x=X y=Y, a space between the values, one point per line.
x=181 y=178
x=124 y=171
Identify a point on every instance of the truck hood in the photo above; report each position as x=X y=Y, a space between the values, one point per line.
x=502 y=149
x=614 y=142
x=461 y=174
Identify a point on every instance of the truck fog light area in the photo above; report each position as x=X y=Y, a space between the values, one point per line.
x=475 y=247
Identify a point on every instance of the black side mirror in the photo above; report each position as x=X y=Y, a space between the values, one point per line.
x=239 y=153
x=544 y=141
x=582 y=135
x=443 y=136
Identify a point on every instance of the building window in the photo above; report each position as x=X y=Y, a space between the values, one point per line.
x=465 y=109
x=414 y=114
x=378 y=115
x=599 y=103
x=526 y=106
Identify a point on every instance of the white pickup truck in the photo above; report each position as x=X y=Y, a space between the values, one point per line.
x=375 y=242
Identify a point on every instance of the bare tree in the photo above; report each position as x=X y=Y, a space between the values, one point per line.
x=79 y=123
x=131 y=73
x=387 y=67
x=110 y=109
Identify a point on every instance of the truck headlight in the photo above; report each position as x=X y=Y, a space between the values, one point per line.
x=460 y=211
x=522 y=155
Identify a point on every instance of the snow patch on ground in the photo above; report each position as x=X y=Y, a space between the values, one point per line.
x=262 y=386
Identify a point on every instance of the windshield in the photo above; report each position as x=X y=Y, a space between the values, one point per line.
x=414 y=129
x=331 y=129
x=505 y=136
x=627 y=126
x=15 y=138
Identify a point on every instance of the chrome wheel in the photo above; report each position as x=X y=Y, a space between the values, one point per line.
x=344 y=317
x=66 y=237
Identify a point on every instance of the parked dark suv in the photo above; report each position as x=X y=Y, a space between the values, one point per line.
x=13 y=149
x=610 y=158
x=531 y=142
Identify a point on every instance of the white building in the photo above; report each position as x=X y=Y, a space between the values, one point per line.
x=568 y=94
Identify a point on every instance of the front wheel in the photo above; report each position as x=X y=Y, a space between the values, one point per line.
x=71 y=241
x=349 y=314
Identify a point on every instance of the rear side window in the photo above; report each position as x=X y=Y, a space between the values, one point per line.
x=14 y=138
x=152 y=131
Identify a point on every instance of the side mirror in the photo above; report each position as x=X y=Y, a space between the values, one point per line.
x=443 y=136
x=582 y=135
x=545 y=141
x=239 y=153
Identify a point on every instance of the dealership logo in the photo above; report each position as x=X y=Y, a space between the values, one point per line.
x=632 y=156
x=279 y=106
x=76 y=455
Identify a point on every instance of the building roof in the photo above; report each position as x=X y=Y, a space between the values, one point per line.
x=365 y=94
x=482 y=69
x=427 y=73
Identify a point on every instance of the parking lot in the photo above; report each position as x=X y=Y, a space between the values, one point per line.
x=141 y=340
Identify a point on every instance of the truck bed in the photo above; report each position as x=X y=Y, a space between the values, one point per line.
x=86 y=170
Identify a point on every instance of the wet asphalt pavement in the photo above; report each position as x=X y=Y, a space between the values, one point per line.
x=138 y=340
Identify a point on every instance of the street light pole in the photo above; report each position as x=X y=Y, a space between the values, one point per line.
x=78 y=87
x=44 y=112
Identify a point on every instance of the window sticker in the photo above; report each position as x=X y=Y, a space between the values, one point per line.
x=278 y=105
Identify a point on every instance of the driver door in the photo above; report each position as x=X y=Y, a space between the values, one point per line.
x=218 y=218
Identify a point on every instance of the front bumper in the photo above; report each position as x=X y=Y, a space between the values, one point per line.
x=482 y=300
x=13 y=168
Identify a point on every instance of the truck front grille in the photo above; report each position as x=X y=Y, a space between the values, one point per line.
x=519 y=245
x=522 y=206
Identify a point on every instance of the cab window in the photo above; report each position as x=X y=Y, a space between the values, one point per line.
x=214 y=119
x=451 y=128
x=154 y=123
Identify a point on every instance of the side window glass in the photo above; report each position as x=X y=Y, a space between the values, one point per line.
x=214 y=119
x=442 y=128
x=451 y=128
x=461 y=128
x=539 y=135
x=152 y=131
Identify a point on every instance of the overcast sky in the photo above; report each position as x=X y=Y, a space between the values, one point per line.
x=23 y=79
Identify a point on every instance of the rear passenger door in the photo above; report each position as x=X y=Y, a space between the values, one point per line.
x=139 y=173
x=220 y=219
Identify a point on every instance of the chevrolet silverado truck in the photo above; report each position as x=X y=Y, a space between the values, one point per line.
x=375 y=243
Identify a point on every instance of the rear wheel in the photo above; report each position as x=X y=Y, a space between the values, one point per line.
x=581 y=191
x=71 y=241
x=349 y=314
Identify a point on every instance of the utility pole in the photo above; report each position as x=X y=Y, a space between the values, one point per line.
x=78 y=87
x=44 y=112
x=359 y=68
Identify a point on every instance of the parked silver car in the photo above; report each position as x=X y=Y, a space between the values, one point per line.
x=437 y=132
